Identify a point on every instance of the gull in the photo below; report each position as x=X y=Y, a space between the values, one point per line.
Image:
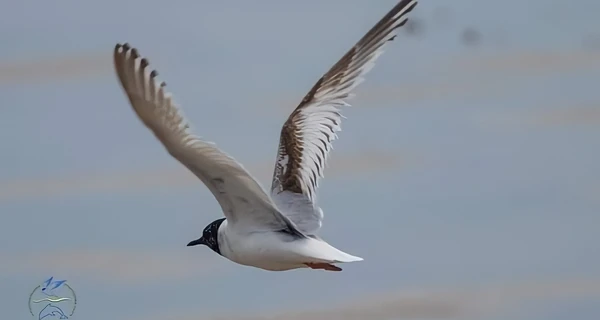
x=274 y=230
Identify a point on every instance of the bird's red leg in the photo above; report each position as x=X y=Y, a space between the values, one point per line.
x=324 y=266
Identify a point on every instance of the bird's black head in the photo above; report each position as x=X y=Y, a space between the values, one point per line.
x=209 y=236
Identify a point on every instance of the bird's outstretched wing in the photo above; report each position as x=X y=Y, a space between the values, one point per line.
x=244 y=202
x=47 y=282
x=57 y=284
x=307 y=135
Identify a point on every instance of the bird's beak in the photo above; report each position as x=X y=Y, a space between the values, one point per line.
x=196 y=242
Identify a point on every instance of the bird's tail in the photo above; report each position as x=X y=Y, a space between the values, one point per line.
x=331 y=254
x=346 y=257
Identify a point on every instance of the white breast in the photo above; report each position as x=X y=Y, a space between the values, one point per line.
x=259 y=249
x=267 y=250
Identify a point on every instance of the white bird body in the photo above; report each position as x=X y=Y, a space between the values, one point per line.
x=273 y=230
x=277 y=252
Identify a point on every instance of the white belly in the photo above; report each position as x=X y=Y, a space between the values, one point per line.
x=262 y=250
x=267 y=250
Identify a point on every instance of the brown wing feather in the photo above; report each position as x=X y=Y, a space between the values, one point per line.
x=307 y=134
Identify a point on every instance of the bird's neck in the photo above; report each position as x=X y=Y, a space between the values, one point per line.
x=222 y=238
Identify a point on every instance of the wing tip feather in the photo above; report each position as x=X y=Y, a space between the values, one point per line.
x=333 y=90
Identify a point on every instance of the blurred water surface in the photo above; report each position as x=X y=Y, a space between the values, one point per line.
x=467 y=174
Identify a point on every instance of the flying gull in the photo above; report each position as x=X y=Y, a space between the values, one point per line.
x=273 y=230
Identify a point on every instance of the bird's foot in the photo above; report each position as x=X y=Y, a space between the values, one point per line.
x=324 y=266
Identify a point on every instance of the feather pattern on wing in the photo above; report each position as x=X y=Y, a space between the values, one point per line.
x=307 y=135
x=240 y=196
